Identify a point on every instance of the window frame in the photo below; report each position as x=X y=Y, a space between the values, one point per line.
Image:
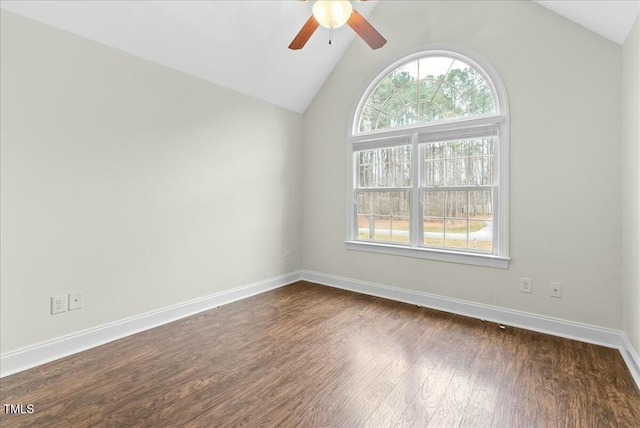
x=440 y=130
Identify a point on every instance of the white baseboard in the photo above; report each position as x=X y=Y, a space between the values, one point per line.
x=553 y=326
x=632 y=359
x=32 y=356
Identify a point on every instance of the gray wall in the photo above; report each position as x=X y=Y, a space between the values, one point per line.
x=563 y=83
x=140 y=186
x=631 y=184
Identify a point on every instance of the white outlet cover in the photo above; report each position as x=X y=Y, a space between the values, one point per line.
x=555 y=289
x=526 y=285
x=58 y=304
x=75 y=301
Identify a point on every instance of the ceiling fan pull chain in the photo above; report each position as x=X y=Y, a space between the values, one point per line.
x=331 y=36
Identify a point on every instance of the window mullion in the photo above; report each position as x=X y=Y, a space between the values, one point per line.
x=416 y=224
x=459 y=188
x=382 y=189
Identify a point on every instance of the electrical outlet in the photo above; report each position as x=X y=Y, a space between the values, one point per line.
x=526 y=285
x=287 y=256
x=58 y=304
x=555 y=290
x=75 y=301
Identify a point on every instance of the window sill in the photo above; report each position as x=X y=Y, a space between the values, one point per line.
x=486 y=260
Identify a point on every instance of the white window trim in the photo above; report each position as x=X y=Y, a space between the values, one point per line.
x=361 y=140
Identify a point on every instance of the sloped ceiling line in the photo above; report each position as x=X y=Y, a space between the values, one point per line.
x=242 y=45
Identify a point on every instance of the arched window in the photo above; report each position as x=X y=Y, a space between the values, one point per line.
x=429 y=161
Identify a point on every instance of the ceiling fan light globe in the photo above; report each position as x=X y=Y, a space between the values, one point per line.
x=332 y=14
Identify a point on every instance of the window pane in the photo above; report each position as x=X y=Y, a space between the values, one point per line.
x=383 y=216
x=433 y=164
x=480 y=220
x=365 y=215
x=409 y=92
x=458 y=163
x=434 y=218
x=481 y=235
x=381 y=94
x=393 y=105
x=400 y=228
x=384 y=120
x=405 y=73
x=456 y=205
x=368 y=118
x=480 y=205
x=365 y=227
x=459 y=219
x=455 y=172
x=481 y=156
x=445 y=98
x=479 y=98
x=456 y=222
x=481 y=171
x=435 y=66
x=432 y=88
x=428 y=111
x=390 y=167
x=463 y=162
x=408 y=115
x=434 y=204
x=434 y=232
x=382 y=228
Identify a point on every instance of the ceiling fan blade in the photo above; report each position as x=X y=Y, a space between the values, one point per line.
x=304 y=34
x=366 y=30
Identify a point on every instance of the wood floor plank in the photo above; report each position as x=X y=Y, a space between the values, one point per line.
x=360 y=408
x=457 y=395
x=389 y=413
x=475 y=417
x=306 y=355
x=422 y=407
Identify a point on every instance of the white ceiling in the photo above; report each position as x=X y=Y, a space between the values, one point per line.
x=612 y=19
x=242 y=45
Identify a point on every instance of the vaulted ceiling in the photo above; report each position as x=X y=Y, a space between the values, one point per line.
x=242 y=45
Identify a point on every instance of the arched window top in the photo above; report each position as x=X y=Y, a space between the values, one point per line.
x=428 y=87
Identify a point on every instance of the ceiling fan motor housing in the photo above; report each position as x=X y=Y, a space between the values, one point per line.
x=332 y=14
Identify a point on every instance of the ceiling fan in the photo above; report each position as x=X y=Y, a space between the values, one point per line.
x=334 y=14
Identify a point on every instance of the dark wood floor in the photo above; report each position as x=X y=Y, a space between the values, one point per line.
x=312 y=356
